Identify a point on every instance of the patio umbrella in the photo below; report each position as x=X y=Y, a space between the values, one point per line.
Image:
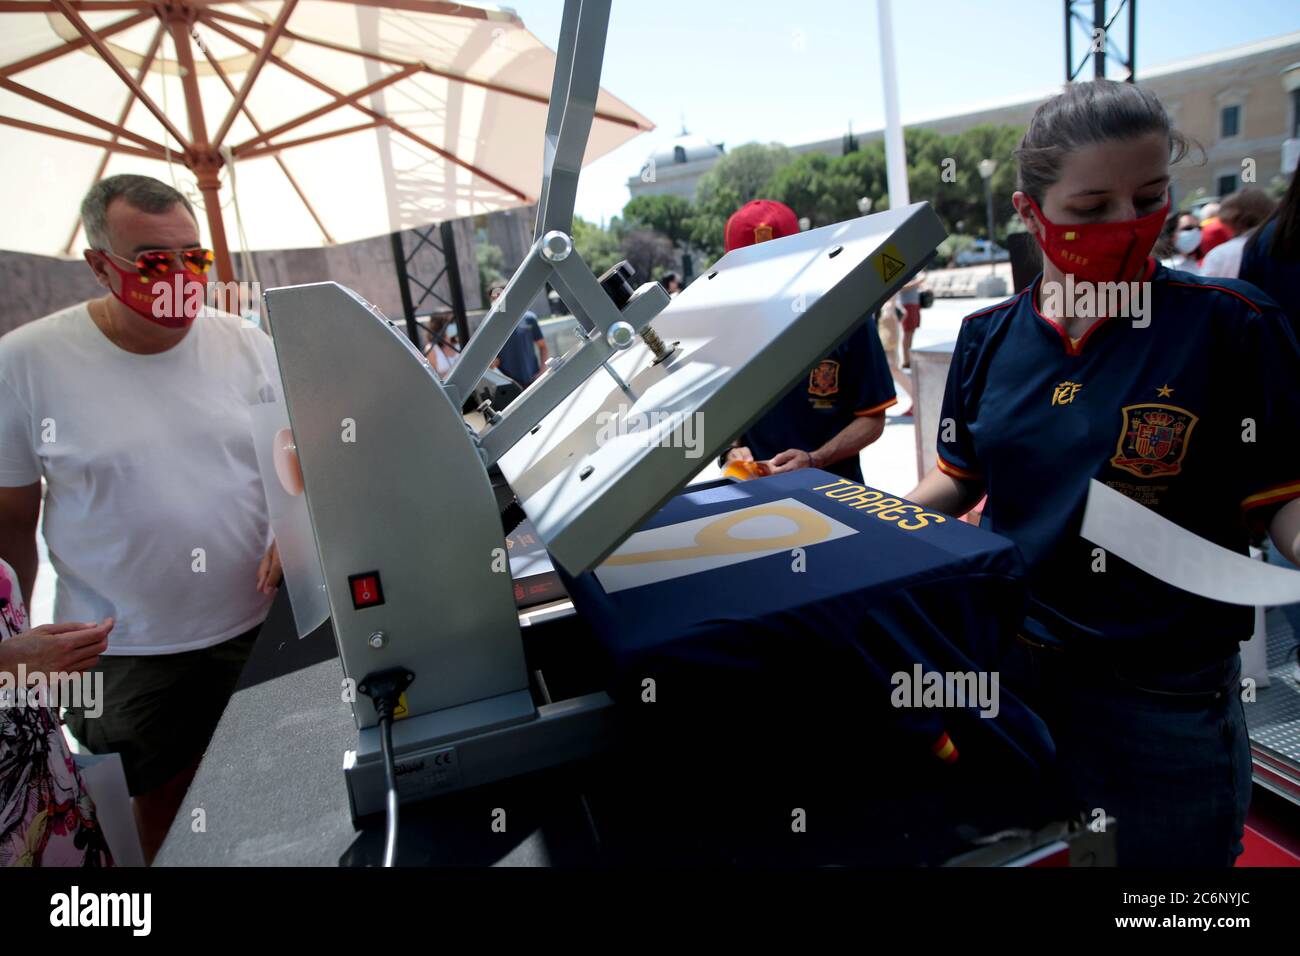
x=290 y=123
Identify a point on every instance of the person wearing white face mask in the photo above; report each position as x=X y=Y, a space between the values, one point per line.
x=1186 y=242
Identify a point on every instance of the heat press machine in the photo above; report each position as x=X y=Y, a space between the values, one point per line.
x=407 y=529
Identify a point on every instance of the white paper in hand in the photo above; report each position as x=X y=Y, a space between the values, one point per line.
x=1173 y=554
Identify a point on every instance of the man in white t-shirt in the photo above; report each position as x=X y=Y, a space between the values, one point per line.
x=134 y=409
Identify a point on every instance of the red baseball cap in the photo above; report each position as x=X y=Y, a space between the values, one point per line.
x=758 y=221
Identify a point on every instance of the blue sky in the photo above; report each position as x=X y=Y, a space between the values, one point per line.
x=745 y=70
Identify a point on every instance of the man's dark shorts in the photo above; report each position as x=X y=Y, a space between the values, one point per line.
x=159 y=710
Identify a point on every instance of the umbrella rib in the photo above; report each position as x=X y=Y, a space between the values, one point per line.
x=340 y=100
x=145 y=65
x=48 y=101
x=424 y=67
x=437 y=8
x=116 y=66
x=452 y=158
x=36 y=59
x=271 y=38
x=216 y=66
x=76 y=137
x=397 y=127
x=273 y=149
x=338 y=47
x=27 y=6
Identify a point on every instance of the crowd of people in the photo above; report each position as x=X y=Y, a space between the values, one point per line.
x=1211 y=243
x=135 y=423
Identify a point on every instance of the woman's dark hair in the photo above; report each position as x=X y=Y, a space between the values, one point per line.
x=1286 y=232
x=1085 y=113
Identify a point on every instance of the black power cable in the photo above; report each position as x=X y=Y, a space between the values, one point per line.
x=384 y=689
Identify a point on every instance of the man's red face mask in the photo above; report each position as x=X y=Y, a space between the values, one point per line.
x=155 y=290
x=1100 y=251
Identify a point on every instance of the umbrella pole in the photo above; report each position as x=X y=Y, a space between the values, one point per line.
x=201 y=156
x=210 y=185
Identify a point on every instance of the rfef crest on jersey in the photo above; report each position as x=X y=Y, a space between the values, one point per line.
x=825 y=378
x=1154 y=440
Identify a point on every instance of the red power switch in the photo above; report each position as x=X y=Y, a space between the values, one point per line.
x=366 y=589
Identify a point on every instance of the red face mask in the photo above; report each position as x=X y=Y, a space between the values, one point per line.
x=173 y=302
x=1101 y=251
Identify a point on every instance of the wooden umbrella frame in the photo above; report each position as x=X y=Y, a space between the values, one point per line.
x=201 y=151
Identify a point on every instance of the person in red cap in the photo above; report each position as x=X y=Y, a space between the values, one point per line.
x=839 y=408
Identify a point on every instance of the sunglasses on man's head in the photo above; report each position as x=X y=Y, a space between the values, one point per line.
x=153 y=264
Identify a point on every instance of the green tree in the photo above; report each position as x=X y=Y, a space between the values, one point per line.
x=815 y=185
x=944 y=169
x=735 y=179
x=598 y=247
x=667 y=215
x=866 y=168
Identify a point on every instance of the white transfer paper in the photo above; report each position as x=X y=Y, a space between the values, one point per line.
x=1173 y=554
x=291 y=525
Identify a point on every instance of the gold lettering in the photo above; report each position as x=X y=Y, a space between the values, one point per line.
x=841 y=481
x=841 y=493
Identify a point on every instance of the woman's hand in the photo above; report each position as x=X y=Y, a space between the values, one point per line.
x=56 y=648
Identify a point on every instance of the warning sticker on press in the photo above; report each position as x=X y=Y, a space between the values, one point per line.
x=890 y=262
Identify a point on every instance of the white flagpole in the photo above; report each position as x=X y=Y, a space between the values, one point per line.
x=895 y=155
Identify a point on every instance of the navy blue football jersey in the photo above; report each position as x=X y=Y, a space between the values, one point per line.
x=1196 y=415
x=1278 y=278
x=850 y=382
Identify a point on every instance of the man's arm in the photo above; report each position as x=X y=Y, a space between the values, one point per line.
x=854 y=437
x=850 y=440
x=20 y=508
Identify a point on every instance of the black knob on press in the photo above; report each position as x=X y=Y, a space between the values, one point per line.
x=617 y=282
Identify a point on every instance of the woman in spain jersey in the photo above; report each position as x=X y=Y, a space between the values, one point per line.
x=1182 y=393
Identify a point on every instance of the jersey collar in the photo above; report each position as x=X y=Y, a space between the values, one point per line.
x=1075 y=346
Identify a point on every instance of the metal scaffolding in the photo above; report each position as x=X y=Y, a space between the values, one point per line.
x=1098 y=35
x=442 y=239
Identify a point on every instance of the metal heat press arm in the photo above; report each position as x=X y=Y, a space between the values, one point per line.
x=610 y=316
x=405 y=522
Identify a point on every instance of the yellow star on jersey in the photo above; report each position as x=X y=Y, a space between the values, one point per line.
x=1164 y=391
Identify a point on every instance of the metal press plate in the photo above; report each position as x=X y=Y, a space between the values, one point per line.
x=608 y=457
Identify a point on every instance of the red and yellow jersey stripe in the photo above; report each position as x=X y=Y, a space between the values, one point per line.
x=953 y=471
x=1269 y=496
x=875 y=409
